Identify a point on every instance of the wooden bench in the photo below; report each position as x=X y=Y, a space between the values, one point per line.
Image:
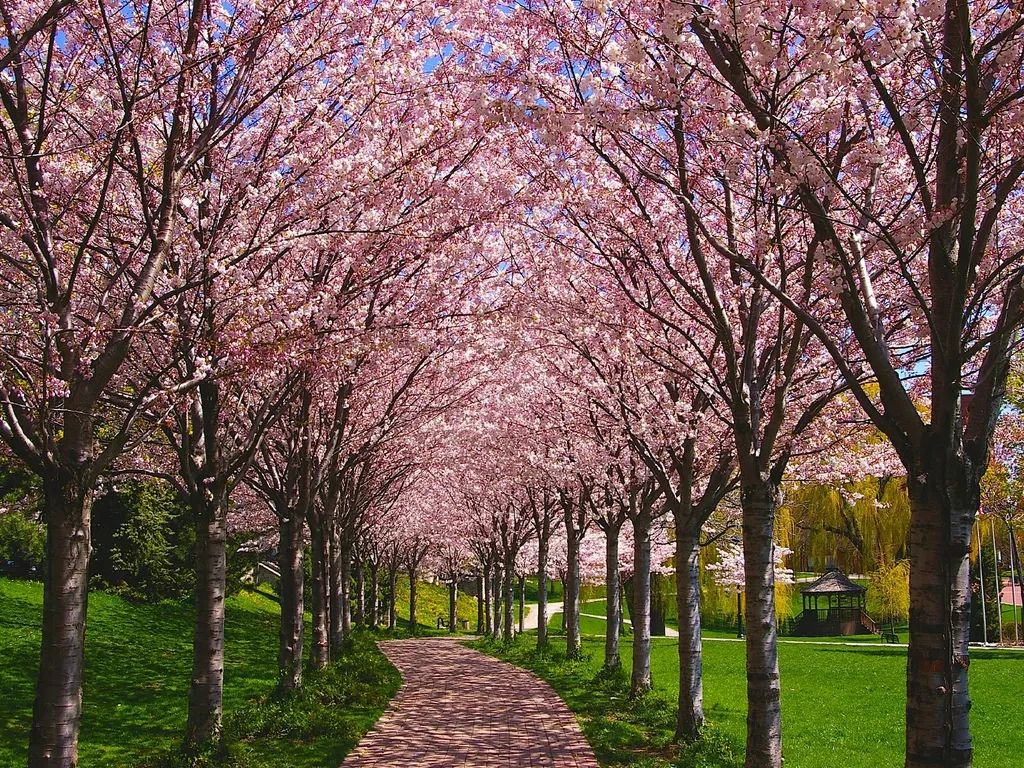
x=890 y=637
x=442 y=623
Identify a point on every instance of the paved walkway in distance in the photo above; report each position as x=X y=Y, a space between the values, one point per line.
x=460 y=708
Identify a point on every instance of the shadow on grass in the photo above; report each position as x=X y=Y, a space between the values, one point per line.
x=137 y=667
x=623 y=731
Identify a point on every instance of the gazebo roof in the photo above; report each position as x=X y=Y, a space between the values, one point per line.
x=833 y=582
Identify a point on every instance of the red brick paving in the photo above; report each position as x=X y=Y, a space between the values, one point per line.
x=458 y=707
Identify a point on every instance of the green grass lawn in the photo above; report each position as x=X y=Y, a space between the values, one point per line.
x=138 y=659
x=432 y=602
x=842 y=706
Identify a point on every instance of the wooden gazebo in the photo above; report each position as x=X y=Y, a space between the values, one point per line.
x=834 y=605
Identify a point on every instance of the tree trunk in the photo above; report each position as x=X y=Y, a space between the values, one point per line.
x=453 y=601
x=764 y=714
x=1019 y=568
x=320 y=653
x=412 y=600
x=571 y=599
x=56 y=715
x=335 y=586
x=640 y=679
x=374 y=594
x=289 y=658
x=345 y=595
x=393 y=598
x=942 y=515
x=623 y=602
x=488 y=614
x=357 y=564
x=542 y=593
x=206 y=692
x=496 y=602
x=480 y=621
x=613 y=608
x=690 y=717
x=522 y=604
x=508 y=592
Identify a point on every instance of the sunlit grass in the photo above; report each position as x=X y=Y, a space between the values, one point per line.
x=842 y=705
x=138 y=659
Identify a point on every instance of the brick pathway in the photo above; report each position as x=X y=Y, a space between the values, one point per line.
x=458 y=707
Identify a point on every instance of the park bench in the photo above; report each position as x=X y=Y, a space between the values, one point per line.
x=890 y=637
x=442 y=623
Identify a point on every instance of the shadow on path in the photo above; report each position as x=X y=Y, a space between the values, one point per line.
x=458 y=707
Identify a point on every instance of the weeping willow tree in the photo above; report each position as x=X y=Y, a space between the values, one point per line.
x=889 y=593
x=858 y=526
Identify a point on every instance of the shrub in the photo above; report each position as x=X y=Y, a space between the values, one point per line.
x=142 y=542
x=22 y=544
x=712 y=750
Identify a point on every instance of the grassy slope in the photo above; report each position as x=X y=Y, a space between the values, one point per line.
x=842 y=706
x=136 y=678
x=431 y=602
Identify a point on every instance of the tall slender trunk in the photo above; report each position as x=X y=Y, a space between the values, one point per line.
x=942 y=515
x=412 y=600
x=571 y=599
x=289 y=656
x=496 y=601
x=563 y=580
x=480 y=604
x=56 y=715
x=522 y=604
x=623 y=595
x=488 y=615
x=206 y=691
x=453 y=601
x=320 y=652
x=613 y=608
x=1019 y=567
x=358 y=566
x=374 y=594
x=764 y=714
x=690 y=715
x=335 y=587
x=640 y=679
x=542 y=593
x=393 y=598
x=345 y=596
x=508 y=589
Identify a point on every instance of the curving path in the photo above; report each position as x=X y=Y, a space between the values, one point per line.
x=458 y=707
